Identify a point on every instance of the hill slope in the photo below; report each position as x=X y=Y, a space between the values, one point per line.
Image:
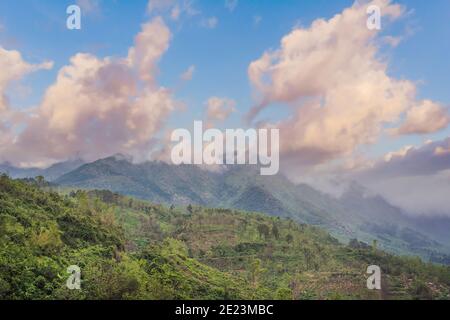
x=132 y=249
x=43 y=233
x=355 y=215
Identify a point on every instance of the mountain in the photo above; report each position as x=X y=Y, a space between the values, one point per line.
x=132 y=249
x=356 y=214
x=51 y=173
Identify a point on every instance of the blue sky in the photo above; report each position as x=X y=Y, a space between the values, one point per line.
x=221 y=55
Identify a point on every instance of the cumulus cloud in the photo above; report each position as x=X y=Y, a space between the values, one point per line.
x=149 y=46
x=427 y=117
x=13 y=68
x=219 y=108
x=99 y=106
x=339 y=89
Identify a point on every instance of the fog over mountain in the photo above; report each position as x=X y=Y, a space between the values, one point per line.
x=414 y=178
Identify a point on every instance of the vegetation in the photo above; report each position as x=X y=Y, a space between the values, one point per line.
x=353 y=215
x=132 y=249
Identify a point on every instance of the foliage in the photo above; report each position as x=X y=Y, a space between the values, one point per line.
x=132 y=249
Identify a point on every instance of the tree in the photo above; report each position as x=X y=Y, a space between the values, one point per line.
x=289 y=238
x=275 y=231
x=189 y=208
x=374 y=245
x=256 y=270
x=354 y=243
x=283 y=294
x=40 y=180
x=263 y=230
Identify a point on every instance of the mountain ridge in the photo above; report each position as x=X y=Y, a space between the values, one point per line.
x=353 y=215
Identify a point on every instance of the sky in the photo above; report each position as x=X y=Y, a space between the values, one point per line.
x=348 y=101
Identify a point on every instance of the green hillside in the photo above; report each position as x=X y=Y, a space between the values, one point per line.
x=354 y=215
x=132 y=249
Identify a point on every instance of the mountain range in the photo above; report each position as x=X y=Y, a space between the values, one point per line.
x=357 y=214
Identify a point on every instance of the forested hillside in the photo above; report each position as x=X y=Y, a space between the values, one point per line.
x=132 y=249
x=354 y=215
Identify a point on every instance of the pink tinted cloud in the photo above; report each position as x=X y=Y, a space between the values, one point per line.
x=340 y=91
x=99 y=106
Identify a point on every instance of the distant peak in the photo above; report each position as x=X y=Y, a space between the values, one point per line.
x=122 y=157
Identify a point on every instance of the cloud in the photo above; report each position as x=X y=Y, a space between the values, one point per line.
x=339 y=90
x=175 y=8
x=428 y=159
x=417 y=195
x=392 y=41
x=209 y=23
x=257 y=20
x=219 y=108
x=400 y=153
x=149 y=46
x=414 y=178
x=175 y=13
x=231 y=4
x=188 y=74
x=99 y=106
x=13 y=68
x=89 y=6
x=427 y=117
x=157 y=6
